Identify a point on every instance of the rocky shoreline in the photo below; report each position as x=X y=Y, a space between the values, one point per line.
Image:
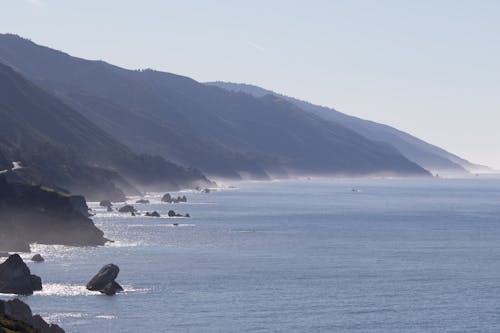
x=16 y=317
x=32 y=213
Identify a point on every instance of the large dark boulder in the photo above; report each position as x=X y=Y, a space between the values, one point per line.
x=153 y=214
x=111 y=288
x=16 y=278
x=104 y=280
x=170 y=199
x=37 y=258
x=172 y=213
x=127 y=209
x=105 y=203
x=16 y=316
x=167 y=198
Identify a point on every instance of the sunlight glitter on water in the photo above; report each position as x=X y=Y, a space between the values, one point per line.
x=58 y=289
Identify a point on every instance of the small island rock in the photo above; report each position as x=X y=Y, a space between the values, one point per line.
x=153 y=214
x=167 y=198
x=170 y=199
x=104 y=280
x=37 y=258
x=127 y=209
x=16 y=278
x=105 y=203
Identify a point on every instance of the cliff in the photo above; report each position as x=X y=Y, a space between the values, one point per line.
x=32 y=213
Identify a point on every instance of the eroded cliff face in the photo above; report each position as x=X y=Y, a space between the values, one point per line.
x=31 y=213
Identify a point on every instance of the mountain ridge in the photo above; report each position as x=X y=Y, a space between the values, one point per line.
x=423 y=153
x=60 y=147
x=222 y=133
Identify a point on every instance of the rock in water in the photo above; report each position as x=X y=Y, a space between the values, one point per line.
x=16 y=278
x=105 y=203
x=171 y=213
x=153 y=214
x=104 y=280
x=111 y=288
x=167 y=198
x=37 y=258
x=142 y=201
x=127 y=209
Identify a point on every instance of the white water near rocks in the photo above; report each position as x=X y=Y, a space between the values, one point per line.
x=294 y=256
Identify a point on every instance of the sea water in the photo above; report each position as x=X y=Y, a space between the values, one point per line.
x=293 y=256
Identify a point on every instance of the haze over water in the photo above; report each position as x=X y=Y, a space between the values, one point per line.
x=295 y=256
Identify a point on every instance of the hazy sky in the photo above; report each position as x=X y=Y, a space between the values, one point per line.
x=431 y=68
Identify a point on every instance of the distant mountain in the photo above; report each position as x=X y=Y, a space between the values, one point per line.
x=60 y=147
x=224 y=134
x=427 y=155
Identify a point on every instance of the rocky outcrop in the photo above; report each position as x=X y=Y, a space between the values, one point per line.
x=127 y=209
x=104 y=280
x=172 y=213
x=31 y=213
x=170 y=199
x=153 y=214
x=16 y=316
x=16 y=278
x=105 y=203
x=37 y=258
x=142 y=201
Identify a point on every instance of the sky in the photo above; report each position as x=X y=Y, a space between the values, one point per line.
x=428 y=67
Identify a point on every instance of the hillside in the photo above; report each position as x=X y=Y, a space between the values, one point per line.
x=425 y=154
x=60 y=147
x=224 y=134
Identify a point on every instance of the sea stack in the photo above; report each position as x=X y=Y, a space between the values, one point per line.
x=104 y=280
x=16 y=277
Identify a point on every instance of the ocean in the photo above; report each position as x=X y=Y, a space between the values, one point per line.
x=373 y=255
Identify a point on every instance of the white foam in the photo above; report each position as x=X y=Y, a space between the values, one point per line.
x=56 y=317
x=169 y=225
x=70 y=290
x=123 y=244
x=106 y=317
x=128 y=289
x=59 y=289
